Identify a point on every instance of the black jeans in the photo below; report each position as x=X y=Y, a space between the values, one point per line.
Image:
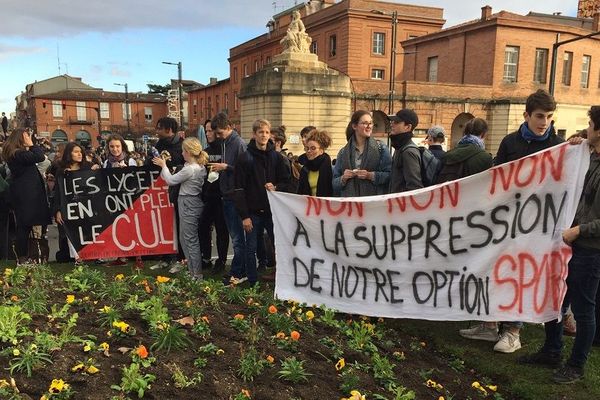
x=582 y=286
x=213 y=215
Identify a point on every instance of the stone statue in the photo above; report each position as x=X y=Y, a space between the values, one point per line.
x=296 y=39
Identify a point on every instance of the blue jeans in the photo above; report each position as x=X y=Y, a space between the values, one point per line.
x=582 y=285
x=260 y=222
x=236 y=232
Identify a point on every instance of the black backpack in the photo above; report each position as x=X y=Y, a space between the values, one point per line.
x=430 y=165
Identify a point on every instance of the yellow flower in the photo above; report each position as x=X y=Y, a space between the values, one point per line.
x=399 y=355
x=270 y=359
x=70 y=298
x=104 y=346
x=493 y=388
x=220 y=351
x=162 y=279
x=14 y=298
x=123 y=326
x=340 y=364
x=92 y=370
x=441 y=398
x=430 y=383
x=78 y=368
x=106 y=309
x=355 y=395
x=280 y=335
x=57 y=386
x=119 y=277
x=310 y=315
x=87 y=348
x=475 y=385
x=4 y=383
x=16 y=352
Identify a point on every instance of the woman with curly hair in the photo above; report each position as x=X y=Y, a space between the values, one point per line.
x=316 y=175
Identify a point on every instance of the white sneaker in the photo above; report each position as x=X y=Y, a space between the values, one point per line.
x=509 y=343
x=159 y=265
x=176 y=267
x=480 y=332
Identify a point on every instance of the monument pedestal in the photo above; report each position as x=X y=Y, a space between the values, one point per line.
x=297 y=90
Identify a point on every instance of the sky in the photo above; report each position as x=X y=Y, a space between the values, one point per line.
x=125 y=41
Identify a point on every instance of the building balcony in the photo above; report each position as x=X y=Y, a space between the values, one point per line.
x=77 y=121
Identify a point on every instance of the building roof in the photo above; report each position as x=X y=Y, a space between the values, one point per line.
x=101 y=95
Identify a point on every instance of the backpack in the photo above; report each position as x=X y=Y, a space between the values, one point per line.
x=430 y=165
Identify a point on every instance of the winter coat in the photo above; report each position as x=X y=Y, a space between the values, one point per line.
x=406 y=169
x=231 y=148
x=513 y=147
x=253 y=169
x=27 y=188
x=587 y=215
x=324 y=181
x=474 y=159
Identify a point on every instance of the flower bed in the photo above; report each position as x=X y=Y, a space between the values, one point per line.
x=91 y=335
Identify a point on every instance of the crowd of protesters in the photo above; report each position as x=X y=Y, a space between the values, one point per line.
x=224 y=186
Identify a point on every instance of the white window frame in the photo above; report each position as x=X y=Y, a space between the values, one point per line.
x=57 y=111
x=148 y=113
x=377 y=74
x=586 y=64
x=81 y=111
x=104 y=111
x=378 y=43
x=124 y=112
x=511 y=64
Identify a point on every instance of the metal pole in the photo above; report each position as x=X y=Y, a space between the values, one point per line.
x=127 y=111
x=180 y=88
x=392 y=63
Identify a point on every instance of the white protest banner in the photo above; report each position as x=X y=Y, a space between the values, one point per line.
x=486 y=247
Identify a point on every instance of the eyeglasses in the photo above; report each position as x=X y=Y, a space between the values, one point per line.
x=312 y=148
x=365 y=123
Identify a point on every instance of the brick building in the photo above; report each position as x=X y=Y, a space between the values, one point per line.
x=351 y=36
x=63 y=108
x=486 y=68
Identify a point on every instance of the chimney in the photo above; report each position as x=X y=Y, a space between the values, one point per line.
x=486 y=13
x=213 y=81
x=596 y=22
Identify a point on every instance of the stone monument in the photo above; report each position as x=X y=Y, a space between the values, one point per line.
x=297 y=90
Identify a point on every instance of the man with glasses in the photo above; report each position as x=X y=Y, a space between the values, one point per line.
x=406 y=164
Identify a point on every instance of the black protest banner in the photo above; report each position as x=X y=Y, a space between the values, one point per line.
x=118 y=212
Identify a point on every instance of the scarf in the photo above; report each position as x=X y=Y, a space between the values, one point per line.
x=315 y=165
x=116 y=162
x=529 y=136
x=472 y=139
x=400 y=140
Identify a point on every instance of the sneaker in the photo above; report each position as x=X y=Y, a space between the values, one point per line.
x=542 y=358
x=567 y=374
x=233 y=281
x=508 y=343
x=159 y=265
x=480 y=332
x=119 y=262
x=198 y=278
x=176 y=267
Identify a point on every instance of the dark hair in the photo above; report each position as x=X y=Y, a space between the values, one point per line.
x=306 y=129
x=206 y=122
x=279 y=134
x=118 y=137
x=476 y=127
x=594 y=114
x=220 y=121
x=13 y=143
x=540 y=100
x=353 y=121
x=321 y=137
x=167 y=123
x=67 y=159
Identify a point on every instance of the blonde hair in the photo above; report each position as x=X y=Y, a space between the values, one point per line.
x=194 y=148
x=259 y=123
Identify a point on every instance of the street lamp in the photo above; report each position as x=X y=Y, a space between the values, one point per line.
x=555 y=47
x=126 y=107
x=180 y=90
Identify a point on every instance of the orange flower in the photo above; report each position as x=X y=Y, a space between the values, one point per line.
x=142 y=351
x=295 y=335
x=246 y=393
x=205 y=319
x=238 y=316
x=270 y=359
x=162 y=279
x=272 y=309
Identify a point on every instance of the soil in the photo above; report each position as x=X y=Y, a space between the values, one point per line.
x=220 y=376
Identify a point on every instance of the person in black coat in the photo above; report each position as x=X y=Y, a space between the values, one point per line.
x=213 y=208
x=257 y=170
x=27 y=189
x=316 y=175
